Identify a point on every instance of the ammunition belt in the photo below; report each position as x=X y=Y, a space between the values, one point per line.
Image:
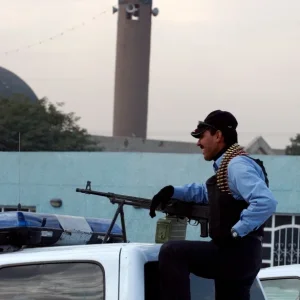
x=222 y=173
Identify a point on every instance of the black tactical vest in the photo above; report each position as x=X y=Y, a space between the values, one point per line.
x=225 y=210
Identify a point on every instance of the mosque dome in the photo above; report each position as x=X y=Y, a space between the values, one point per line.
x=11 y=84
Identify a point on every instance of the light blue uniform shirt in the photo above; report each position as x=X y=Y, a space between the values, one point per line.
x=246 y=181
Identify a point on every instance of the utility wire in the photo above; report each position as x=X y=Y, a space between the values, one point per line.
x=54 y=37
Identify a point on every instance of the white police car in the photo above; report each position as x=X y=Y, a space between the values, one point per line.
x=48 y=256
x=282 y=282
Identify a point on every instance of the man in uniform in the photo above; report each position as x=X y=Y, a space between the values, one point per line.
x=240 y=203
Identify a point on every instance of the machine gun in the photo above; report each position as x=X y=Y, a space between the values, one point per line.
x=192 y=211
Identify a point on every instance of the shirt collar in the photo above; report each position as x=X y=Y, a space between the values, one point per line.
x=217 y=163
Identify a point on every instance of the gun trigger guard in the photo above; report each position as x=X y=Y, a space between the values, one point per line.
x=196 y=223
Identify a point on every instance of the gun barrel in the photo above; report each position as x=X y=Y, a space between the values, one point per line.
x=116 y=198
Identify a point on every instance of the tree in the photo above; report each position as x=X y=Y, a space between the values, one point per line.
x=294 y=148
x=41 y=126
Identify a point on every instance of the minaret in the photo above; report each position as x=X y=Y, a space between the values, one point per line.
x=132 y=67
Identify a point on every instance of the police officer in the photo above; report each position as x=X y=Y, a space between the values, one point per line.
x=240 y=202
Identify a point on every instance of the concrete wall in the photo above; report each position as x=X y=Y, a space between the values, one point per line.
x=39 y=177
x=135 y=144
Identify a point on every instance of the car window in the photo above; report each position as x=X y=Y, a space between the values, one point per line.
x=78 y=280
x=201 y=288
x=204 y=289
x=282 y=288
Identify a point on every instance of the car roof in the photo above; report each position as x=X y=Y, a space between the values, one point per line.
x=280 y=271
x=148 y=251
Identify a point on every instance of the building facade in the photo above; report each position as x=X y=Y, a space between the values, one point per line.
x=34 y=179
x=257 y=146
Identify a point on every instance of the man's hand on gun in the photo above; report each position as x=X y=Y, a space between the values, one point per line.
x=161 y=198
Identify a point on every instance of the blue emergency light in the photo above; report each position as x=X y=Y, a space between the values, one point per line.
x=35 y=229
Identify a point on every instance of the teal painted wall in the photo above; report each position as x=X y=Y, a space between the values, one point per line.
x=39 y=177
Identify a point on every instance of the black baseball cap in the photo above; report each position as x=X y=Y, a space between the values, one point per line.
x=217 y=119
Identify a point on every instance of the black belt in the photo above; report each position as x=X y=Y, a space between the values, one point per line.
x=230 y=240
x=258 y=237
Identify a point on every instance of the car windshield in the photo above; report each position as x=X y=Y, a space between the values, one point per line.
x=282 y=288
x=55 y=280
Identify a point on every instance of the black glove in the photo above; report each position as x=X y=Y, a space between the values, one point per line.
x=162 y=198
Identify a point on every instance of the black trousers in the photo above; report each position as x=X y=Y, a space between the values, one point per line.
x=233 y=266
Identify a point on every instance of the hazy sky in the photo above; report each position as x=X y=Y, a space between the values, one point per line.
x=238 y=55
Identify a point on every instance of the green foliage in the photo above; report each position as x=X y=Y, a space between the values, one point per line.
x=294 y=148
x=41 y=126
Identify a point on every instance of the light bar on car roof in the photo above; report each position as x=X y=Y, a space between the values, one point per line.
x=36 y=229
